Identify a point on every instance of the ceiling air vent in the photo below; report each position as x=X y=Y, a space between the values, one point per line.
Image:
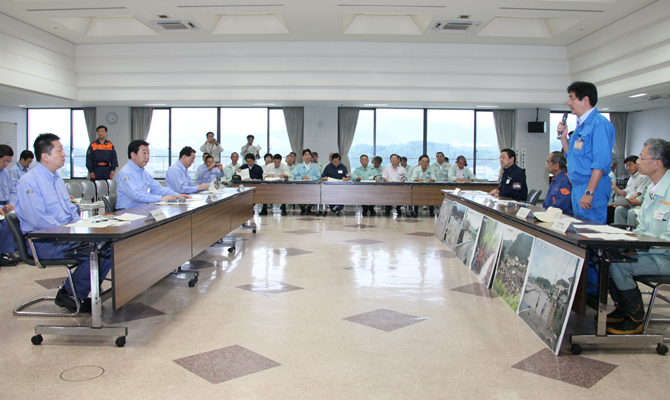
x=172 y=26
x=456 y=26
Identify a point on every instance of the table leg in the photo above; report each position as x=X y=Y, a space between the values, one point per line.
x=96 y=304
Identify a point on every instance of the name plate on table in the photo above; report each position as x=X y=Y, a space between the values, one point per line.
x=563 y=226
x=155 y=215
x=490 y=203
x=240 y=188
x=457 y=191
x=525 y=213
x=211 y=198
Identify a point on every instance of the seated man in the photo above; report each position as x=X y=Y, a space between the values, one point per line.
x=335 y=170
x=43 y=202
x=654 y=220
x=136 y=187
x=21 y=167
x=560 y=188
x=637 y=183
x=612 y=175
x=459 y=172
x=366 y=173
x=7 y=202
x=394 y=173
x=423 y=173
x=441 y=166
x=255 y=170
x=268 y=160
x=290 y=163
x=230 y=169
x=513 y=180
x=209 y=170
x=307 y=171
x=177 y=177
x=275 y=170
x=377 y=165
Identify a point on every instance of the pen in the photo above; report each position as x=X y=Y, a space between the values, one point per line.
x=99 y=220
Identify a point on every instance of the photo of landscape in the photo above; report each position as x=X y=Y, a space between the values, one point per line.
x=467 y=238
x=486 y=251
x=512 y=265
x=454 y=225
x=442 y=219
x=549 y=292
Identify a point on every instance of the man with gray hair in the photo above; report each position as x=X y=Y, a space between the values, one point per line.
x=654 y=220
x=559 y=194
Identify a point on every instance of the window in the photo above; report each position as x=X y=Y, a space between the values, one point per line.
x=451 y=132
x=399 y=131
x=58 y=122
x=159 y=144
x=80 y=143
x=279 y=141
x=237 y=124
x=363 y=142
x=189 y=127
x=488 y=154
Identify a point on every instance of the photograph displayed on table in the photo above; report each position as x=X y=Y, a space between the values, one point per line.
x=442 y=219
x=512 y=265
x=454 y=225
x=486 y=251
x=549 y=292
x=468 y=237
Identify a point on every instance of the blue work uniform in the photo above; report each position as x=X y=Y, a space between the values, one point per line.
x=312 y=172
x=560 y=193
x=101 y=159
x=16 y=172
x=595 y=136
x=136 y=187
x=419 y=173
x=7 y=196
x=368 y=174
x=452 y=173
x=205 y=176
x=177 y=179
x=654 y=220
x=43 y=202
x=513 y=183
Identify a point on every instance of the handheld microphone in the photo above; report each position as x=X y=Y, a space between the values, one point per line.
x=564 y=120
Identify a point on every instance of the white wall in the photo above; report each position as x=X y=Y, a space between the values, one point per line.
x=35 y=60
x=644 y=125
x=535 y=146
x=321 y=131
x=17 y=116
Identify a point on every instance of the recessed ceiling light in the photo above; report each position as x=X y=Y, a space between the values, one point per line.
x=156 y=104
x=487 y=106
x=22 y=105
x=637 y=95
x=604 y=109
x=375 y=105
x=263 y=104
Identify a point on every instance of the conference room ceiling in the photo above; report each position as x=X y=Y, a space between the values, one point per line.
x=540 y=22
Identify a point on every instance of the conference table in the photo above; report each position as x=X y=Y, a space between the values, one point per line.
x=578 y=244
x=359 y=193
x=143 y=252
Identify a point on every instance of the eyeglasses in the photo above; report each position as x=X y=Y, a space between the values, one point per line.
x=639 y=158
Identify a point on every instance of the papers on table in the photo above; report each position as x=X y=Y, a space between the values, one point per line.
x=76 y=201
x=128 y=217
x=244 y=174
x=334 y=180
x=601 y=228
x=273 y=178
x=609 y=236
x=97 y=222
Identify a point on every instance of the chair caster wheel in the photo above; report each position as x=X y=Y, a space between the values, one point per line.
x=37 y=340
x=576 y=349
x=231 y=249
x=192 y=282
x=254 y=231
x=662 y=349
x=120 y=341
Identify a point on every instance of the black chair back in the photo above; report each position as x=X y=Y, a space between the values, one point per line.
x=533 y=195
x=15 y=227
x=110 y=203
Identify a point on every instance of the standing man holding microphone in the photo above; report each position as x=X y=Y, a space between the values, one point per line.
x=589 y=153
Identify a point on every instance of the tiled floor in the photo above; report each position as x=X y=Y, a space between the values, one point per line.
x=313 y=308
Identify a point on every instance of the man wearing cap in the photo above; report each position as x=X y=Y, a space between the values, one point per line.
x=249 y=148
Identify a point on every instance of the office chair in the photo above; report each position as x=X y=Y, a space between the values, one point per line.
x=533 y=195
x=88 y=188
x=112 y=186
x=101 y=189
x=69 y=264
x=110 y=203
x=74 y=190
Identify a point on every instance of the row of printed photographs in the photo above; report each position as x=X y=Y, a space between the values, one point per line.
x=535 y=278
